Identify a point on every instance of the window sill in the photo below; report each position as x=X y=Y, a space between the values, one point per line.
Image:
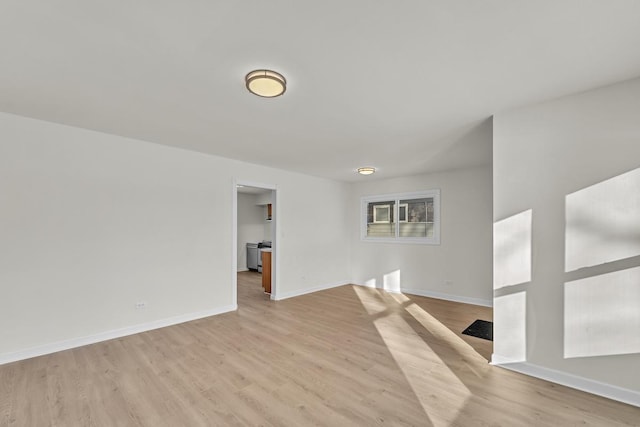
x=402 y=241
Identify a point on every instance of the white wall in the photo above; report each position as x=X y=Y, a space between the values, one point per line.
x=460 y=267
x=262 y=200
x=93 y=223
x=267 y=227
x=572 y=164
x=251 y=225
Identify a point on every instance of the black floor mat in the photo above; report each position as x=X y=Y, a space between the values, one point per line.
x=480 y=329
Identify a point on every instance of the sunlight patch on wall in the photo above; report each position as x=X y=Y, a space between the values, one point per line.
x=603 y=222
x=512 y=250
x=391 y=281
x=602 y=315
x=510 y=327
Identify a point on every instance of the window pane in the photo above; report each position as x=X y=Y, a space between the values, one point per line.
x=419 y=218
x=380 y=220
x=402 y=212
x=381 y=213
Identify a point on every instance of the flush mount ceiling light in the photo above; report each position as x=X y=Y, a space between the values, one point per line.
x=366 y=171
x=266 y=83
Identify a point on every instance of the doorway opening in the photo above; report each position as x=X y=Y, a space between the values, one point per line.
x=254 y=251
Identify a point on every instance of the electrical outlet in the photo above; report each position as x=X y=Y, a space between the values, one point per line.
x=141 y=304
x=448 y=282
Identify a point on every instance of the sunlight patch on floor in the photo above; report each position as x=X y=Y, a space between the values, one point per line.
x=371 y=300
x=419 y=363
x=400 y=298
x=470 y=357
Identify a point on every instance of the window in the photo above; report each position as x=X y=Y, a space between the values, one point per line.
x=402 y=212
x=417 y=214
x=382 y=213
x=380 y=217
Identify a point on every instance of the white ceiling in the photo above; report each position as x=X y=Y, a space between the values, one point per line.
x=392 y=84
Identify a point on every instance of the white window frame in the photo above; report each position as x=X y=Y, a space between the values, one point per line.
x=406 y=212
x=375 y=214
x=396 y=197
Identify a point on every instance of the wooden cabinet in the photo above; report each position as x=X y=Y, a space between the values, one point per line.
x=266 y=271
x=269 y=212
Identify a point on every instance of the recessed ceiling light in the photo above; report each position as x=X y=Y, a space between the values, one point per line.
x=366 y=170
x=266 y=83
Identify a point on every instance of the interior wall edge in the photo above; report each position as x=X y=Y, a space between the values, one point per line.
x=620 y=394
x=68 y=344
x=437 y=295
x=300 y=292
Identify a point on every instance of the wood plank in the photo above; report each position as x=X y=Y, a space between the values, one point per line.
x=344 y=356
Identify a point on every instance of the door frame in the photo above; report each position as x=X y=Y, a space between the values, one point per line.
x=234 y=237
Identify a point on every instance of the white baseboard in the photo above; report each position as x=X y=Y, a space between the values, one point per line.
x=41 y=350
x=240 y=270
x=609 y=391
x=438 y=295
x=449 y=297
x=498 y=360
x=285 y=295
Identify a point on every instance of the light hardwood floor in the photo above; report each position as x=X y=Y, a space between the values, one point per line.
x=340 y=357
